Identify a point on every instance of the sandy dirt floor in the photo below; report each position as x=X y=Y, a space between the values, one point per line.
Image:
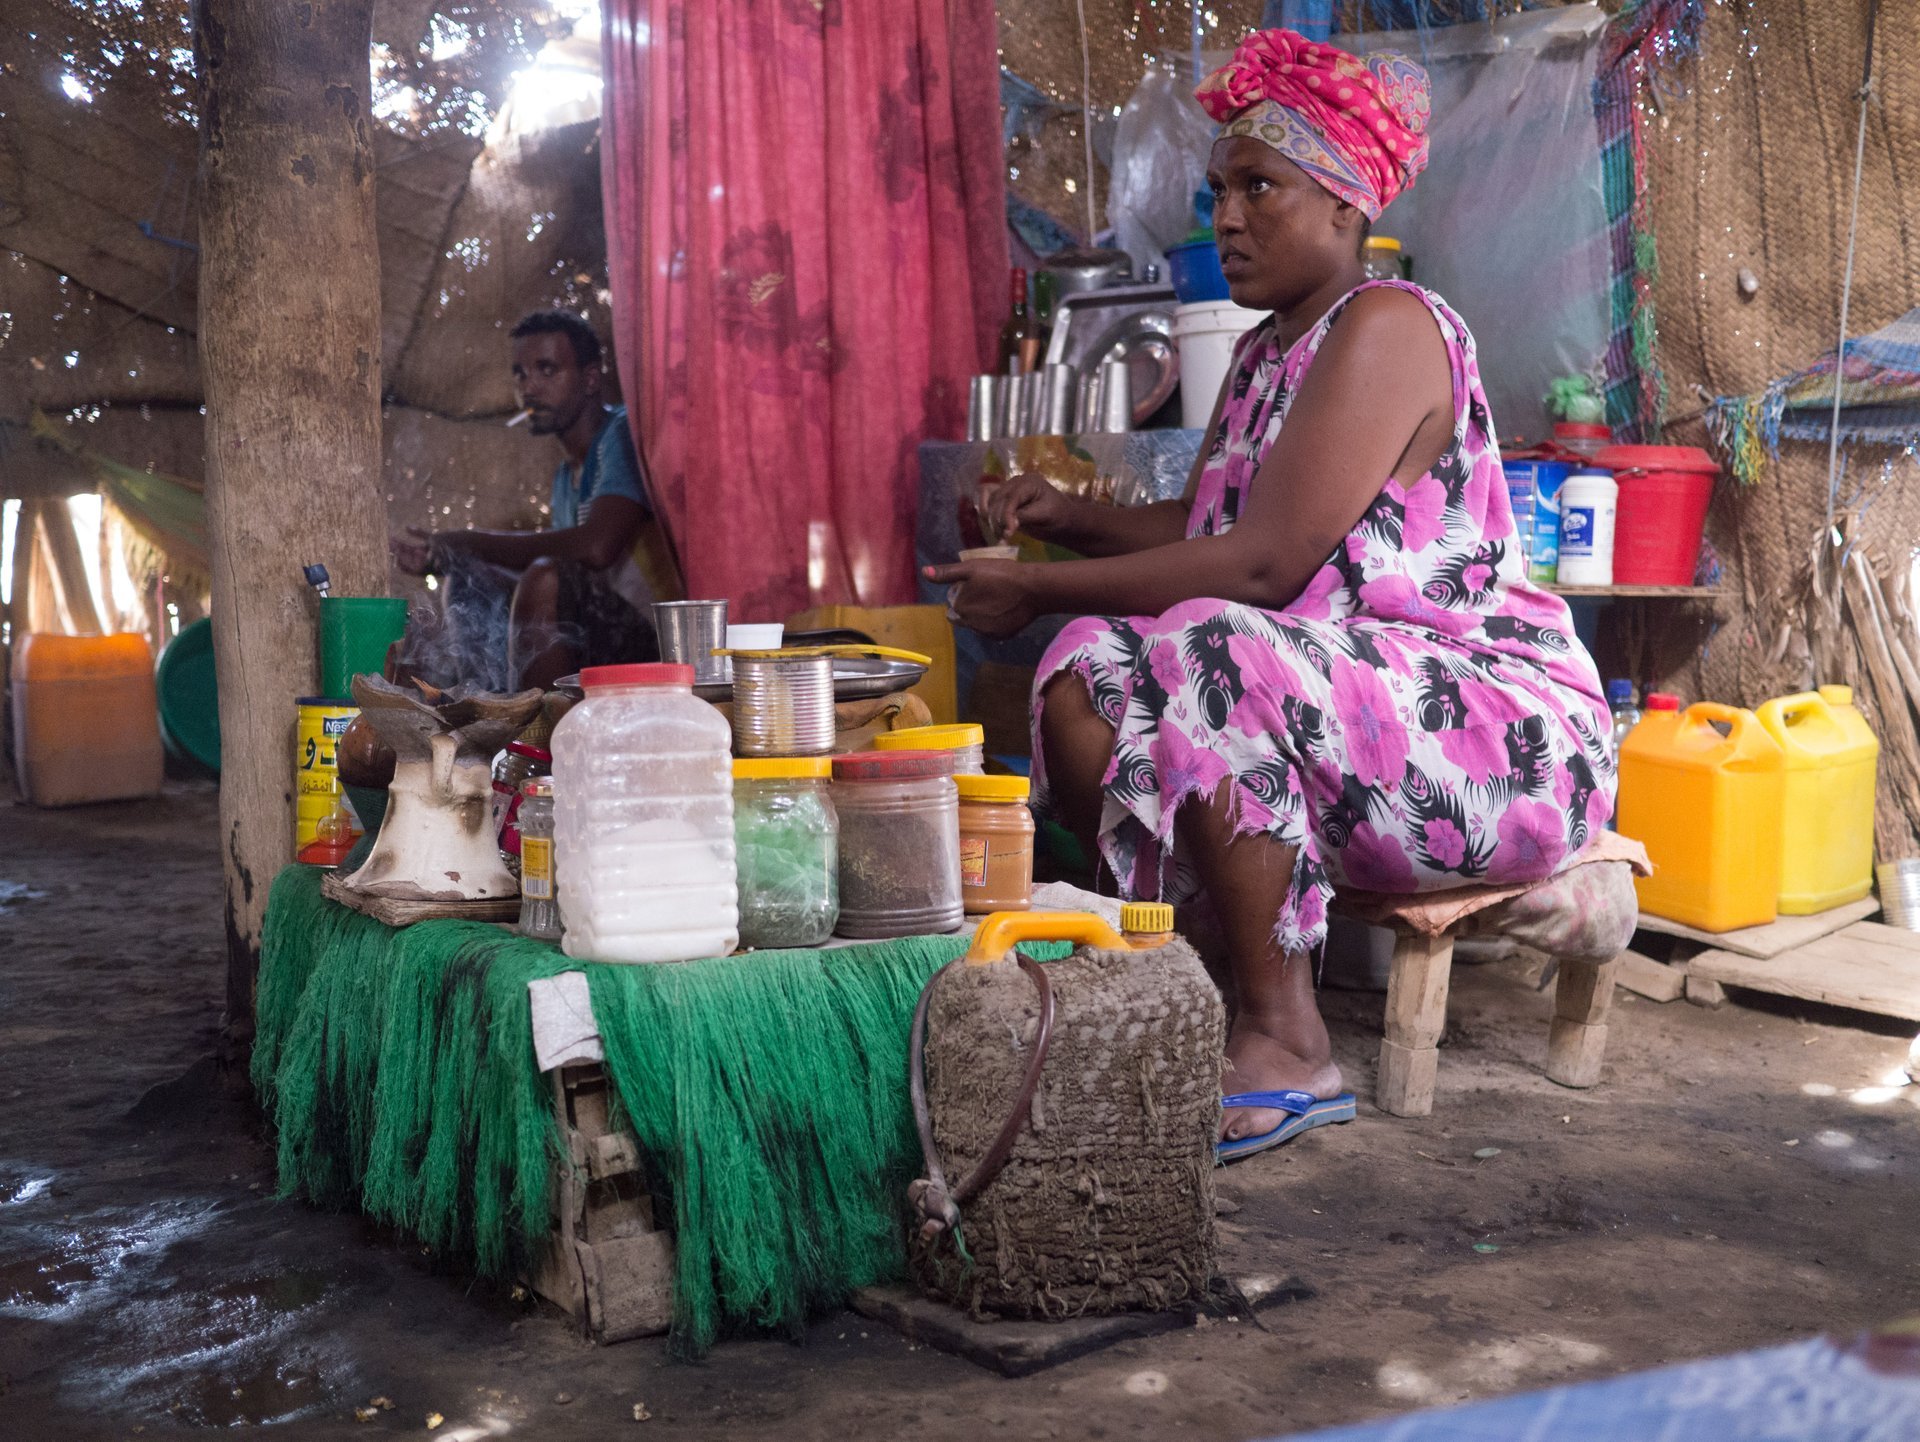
x=1724 y=1188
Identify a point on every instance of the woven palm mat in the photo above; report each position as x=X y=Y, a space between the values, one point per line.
x=1750 y=169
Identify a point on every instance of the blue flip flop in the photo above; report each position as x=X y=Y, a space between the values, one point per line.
x=1305 y=1111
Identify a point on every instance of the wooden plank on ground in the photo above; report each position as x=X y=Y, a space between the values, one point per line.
x=1643 y=976
x=1773 y=938
x=1867 y=967
x=1016 y=1348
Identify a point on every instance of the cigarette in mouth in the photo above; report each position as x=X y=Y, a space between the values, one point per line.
x=519 y=417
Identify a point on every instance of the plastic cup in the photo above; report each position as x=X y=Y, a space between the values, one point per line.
x=355 y=632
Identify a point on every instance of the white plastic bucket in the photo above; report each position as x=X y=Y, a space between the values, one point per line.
x=1205 y=333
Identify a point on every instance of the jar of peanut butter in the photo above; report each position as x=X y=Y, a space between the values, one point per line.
x=996 y=844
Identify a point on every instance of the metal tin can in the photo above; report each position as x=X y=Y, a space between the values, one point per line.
x=316 y=770
x=782 y=705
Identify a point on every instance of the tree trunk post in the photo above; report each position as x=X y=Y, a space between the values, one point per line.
x=290 y=361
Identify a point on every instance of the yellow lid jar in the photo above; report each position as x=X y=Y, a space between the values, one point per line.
x=996 y=844
x=967 y=742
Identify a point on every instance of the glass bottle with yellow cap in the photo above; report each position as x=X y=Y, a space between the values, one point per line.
x=787 y=850
x=996 y=844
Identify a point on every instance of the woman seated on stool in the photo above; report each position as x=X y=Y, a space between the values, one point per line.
x=1324 y=666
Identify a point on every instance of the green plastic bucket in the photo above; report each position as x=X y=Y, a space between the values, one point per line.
x=189 y=696
x=355 y=632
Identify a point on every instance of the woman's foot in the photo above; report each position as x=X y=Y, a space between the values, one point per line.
x=1259 y=1059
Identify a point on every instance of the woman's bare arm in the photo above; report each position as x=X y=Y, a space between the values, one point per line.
x=1377 y=403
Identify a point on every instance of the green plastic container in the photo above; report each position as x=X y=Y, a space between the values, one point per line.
x=355 y=632
x=190 y=696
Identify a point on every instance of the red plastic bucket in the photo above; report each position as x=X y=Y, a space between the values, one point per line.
x=1664 y=493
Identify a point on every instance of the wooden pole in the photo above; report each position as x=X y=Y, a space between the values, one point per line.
x=290 y=360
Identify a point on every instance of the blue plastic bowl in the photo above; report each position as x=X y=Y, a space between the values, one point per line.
x=1194 y=269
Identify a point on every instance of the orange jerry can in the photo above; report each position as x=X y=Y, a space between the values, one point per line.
x=86 y=724
x=1708 y=805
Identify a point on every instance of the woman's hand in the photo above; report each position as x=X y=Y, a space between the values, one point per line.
x=991 y=597
x=1029 y=502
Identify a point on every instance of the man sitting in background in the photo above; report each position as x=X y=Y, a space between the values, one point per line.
x=577 y=596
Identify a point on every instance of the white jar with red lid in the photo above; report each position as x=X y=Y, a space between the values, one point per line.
x=643 y=819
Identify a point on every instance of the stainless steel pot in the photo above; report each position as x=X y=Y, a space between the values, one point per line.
x=782 y=704
x=1079 y=269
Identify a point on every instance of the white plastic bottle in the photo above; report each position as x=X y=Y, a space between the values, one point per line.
x=643 y=819
x=1588 y=501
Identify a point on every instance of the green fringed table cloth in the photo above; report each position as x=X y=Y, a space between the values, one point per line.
x=767 y=1093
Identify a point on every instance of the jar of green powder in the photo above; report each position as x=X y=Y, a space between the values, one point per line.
x=787 y=850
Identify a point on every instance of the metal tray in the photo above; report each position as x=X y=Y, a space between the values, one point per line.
x=855 y=678
x=1081 y=321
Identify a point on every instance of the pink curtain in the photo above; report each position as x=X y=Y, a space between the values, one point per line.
x=807 y=242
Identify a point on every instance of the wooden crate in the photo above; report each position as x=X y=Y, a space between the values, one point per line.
x=608 y=1263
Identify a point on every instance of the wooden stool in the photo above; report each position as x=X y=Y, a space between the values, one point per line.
x=1417 y=1014
x=1582 y=917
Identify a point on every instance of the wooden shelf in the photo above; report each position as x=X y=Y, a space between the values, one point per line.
x=1610 y=593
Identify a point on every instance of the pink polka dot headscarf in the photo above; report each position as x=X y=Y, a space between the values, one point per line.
x=1357 y=126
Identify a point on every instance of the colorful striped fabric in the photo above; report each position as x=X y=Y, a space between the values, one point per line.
x=1644 y=39
x=1879 y=401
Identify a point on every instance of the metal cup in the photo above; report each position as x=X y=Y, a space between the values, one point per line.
x=1029 y=397
x=1088 y=419
x=980 y=409
x=1003 y=407
x=1899 y=886
x=690 y=632
x=1058 y=395
x=1116 y=397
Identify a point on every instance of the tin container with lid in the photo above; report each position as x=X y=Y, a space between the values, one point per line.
x=996 y=843
x=786 y=849
x=967 y=742
x=899 y=816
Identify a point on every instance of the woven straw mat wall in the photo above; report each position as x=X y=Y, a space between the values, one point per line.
x=1751 y=169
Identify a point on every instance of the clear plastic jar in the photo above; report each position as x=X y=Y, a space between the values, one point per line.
x=967 y=742
x=899 y=843
x=786 y=850
x=539 y=900
x=1381 y=258
x=643 y=819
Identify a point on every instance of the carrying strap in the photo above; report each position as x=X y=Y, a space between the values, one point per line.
x=938 y=1205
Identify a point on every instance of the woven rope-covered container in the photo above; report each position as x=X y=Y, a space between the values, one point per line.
x=1106 y=1202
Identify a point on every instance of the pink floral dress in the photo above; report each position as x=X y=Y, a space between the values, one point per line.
x=1420 y=717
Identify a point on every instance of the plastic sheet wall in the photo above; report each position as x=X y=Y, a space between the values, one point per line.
x=1508 y=223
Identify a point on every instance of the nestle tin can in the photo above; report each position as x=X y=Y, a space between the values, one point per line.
x=316 y=769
